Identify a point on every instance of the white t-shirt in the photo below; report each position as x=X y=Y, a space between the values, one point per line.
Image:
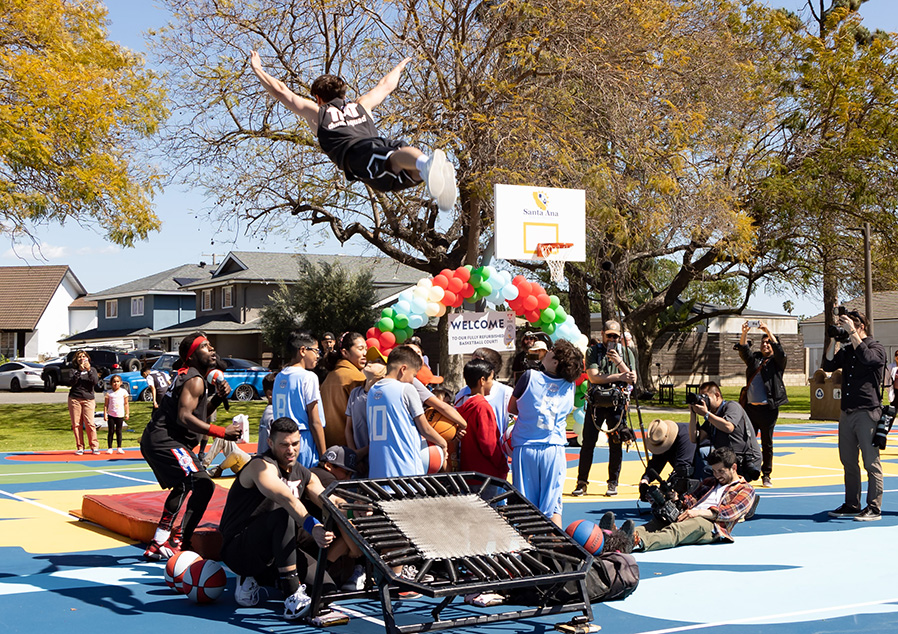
x=498 y=400
x=116 y=402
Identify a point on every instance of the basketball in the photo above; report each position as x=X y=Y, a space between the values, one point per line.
x=204 y=581
x=214 y=376
x=505 y=442
x=442 y=425
x=433 y=457
x=177 y=566
x=587 y=535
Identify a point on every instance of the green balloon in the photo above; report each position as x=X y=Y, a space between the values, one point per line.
x=400 y=322
x=548 y=327
x=547 y=316
x=484 y=272
x=560 y=315
x=578 y=401
x=476 y=279
x=400 y=336
x=554 y=301
x=389 y=313
x=385 y=324
x=485 y=289
x=409 y=332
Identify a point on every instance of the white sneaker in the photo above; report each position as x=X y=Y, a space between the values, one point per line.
x=80 y=452
x=96 y=452
x=410 y=572
x=434 y=174
x=109 y=451
x=120 y=450
x=297 y=604
x=247 y=592
x=446 y=199
x=356 y=581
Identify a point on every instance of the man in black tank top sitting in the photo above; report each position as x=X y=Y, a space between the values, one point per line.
x=347 y=134
x=168 y=441
x=261 y=520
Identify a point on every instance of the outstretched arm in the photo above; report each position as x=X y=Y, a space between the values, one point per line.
x=374 y=97
x=305 y=108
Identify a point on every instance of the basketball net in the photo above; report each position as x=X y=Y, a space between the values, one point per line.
x=553 y=254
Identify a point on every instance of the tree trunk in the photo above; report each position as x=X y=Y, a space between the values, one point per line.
x=830 y=296
x=578 y=296
x=644 y=339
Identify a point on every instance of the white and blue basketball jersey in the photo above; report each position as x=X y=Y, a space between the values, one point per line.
x=296 y=388
x=542 y=411
x=498 y=400
x=394 y=440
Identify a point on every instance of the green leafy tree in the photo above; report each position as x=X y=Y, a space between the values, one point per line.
x=278 y=319
x=74 y=108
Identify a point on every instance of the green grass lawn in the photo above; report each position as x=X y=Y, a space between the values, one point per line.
x=43 y=427
x=799 y=398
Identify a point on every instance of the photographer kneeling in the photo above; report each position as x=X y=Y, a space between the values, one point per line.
x=725 y=425
x=709 y=515
x=669 y=444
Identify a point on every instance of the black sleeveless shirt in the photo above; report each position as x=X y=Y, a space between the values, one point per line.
x=165 y=418
x=246 y=503
x=340 y=126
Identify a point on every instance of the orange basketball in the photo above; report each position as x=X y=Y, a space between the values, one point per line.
x=442 y=425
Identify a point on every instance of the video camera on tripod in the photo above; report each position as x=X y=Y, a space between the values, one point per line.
x=666 y=507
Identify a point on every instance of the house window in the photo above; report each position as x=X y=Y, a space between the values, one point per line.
x=227 y=297
x=111 y=308
x=207 y=299
x=137 y=306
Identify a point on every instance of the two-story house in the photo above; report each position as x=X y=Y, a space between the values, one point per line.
x=230 y=301
x=128 y=314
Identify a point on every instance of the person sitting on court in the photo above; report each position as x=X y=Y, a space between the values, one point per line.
x=500 y=393
x=481 y=449
x=670 y=444
x=709 y=514
x=297 y=395
x=347 y=134
x=396 y=420
x=262 y=518
x=168 y=440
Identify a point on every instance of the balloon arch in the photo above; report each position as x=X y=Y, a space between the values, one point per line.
x=433 y=296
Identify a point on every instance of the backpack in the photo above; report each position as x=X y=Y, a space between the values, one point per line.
x=612 y=576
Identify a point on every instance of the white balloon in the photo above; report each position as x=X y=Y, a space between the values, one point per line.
x=435 y=294
x=403 y=306
x=425 y=282
x=510 y=291
x=432 y=309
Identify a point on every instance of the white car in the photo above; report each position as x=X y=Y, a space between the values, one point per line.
x=20 y=375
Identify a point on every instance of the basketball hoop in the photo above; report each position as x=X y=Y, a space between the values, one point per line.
x=553 y=254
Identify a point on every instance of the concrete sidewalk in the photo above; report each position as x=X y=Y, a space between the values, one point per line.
x=673 y=410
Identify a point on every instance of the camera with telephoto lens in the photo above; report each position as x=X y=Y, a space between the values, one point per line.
x=665 y=507
x=837 y=333
x=692 y=398
x=883 y=426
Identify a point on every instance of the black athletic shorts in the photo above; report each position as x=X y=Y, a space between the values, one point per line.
x=171 y=462
x=366 y=161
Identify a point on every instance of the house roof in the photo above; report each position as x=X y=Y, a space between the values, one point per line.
x=168 y=282
x=885 y=307
x=82 y=303
x=27 y=290
x=95 y=334
x=210 y=324
x=261 y=267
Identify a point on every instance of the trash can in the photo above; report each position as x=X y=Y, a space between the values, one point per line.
x=826 y=395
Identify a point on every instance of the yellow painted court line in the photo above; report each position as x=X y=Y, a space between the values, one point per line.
x=19 y=498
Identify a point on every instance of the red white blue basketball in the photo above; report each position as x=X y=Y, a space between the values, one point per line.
x=587 y=535
x=505 y=442
x=177 y=566
x=433 y=458
x=204 y=581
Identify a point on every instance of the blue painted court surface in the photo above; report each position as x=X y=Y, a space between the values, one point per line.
x=791 y=569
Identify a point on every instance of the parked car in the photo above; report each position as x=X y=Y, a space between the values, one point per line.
x=244 y=377
x=106 y=361
x=20 y=375
x=147 y=357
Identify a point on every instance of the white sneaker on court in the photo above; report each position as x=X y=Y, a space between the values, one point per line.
x=297 y=604
x=356 y=581
x=247 y=592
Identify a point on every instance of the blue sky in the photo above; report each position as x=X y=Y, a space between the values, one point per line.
x=187 y=235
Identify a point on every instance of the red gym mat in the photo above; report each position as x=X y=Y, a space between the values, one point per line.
x=135 y=516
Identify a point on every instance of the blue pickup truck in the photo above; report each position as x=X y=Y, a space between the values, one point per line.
x=244 y=377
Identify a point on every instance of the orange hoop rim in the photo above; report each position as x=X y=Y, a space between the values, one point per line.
x=545 y=249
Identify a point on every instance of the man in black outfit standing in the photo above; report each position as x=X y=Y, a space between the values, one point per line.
x=764 y=391
x=862 y=361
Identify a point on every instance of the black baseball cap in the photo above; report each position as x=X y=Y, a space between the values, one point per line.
x=342 y=457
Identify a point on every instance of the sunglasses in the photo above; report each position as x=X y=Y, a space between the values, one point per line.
x=615 y=337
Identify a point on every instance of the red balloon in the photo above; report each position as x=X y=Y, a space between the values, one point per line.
x=536 y=289
x=458 y=301
x=455 y=285
x=373 y=342
x=442 y=281
x=543 y=301
x=386 y=352
x=447 y=273
x=518 y=279
x=372 y=333
x=463 y=273
x=516 y=306
x=468 y=291
x=530 y=303
x=448 y=298
x=388 y=339
x=532 y=316
x=525 y=288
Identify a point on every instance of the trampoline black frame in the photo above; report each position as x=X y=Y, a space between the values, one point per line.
x=527 y=569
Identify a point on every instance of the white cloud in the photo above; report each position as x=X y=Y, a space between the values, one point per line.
x=45 y=252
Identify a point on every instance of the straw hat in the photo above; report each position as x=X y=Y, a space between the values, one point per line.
x=660 y=435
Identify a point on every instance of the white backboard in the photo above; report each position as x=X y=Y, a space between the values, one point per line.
x=527 y=216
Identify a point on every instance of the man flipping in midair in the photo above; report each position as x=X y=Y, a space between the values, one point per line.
x=348 y=136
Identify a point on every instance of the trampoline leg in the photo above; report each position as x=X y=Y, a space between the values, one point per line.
x=319 y=575
x=387 y=605
x=587 y=610
x=442 y=606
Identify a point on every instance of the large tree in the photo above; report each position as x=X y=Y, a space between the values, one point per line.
x=74 y=109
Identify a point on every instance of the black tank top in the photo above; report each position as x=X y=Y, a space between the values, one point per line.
x=166 y=416
x=340 y=126
x=245 y=503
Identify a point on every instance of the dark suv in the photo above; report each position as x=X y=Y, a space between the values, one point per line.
x=106 y=361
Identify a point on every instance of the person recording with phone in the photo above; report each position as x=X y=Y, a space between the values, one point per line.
x=610 y=368
x=862 y=360
x=764 y=391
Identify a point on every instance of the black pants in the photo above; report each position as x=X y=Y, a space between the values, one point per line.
x=269 y=543
x=595 y=417
x=114 y=430
x=763 y=419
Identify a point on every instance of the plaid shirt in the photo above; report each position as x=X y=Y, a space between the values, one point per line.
x=735 y=502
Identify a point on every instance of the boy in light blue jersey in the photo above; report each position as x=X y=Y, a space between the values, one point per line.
x=297 y=396
x=542 y=402
x=396 y=420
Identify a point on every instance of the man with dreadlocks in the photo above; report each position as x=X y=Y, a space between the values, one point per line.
x=168 y=441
